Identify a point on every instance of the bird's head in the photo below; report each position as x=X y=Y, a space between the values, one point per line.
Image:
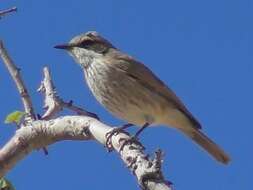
x=87 y=46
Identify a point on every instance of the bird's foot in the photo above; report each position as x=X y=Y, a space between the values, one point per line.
x=132 y=140
x=114 y=132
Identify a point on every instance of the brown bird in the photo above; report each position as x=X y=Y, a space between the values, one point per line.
x=132 y=92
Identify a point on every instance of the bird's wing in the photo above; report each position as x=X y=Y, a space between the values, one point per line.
x=147 y=78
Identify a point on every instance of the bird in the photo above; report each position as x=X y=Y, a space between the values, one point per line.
x=132 y=92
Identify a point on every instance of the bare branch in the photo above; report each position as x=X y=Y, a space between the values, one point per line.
x=53 y=103
x=78 y=110
x=7 y=11
x=15 y=74
x=52 y=100
x=40 y=133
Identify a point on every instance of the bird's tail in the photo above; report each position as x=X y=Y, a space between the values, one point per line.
x=207 y=144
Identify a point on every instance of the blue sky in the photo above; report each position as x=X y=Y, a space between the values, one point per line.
x=201 y=49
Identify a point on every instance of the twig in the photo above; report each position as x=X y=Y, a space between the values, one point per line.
x=7 y=11
x=78 y=110
x=53 y=103
x=42 y=133
x=15 y=74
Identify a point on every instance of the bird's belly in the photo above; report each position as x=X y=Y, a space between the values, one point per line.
x=125 y=97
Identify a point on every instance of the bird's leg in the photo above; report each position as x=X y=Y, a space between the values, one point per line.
x=134 y=139
x=115 y=131
x=140 y=130
x=45 y=150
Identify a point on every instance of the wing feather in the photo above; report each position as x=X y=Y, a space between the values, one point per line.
x=149 y=80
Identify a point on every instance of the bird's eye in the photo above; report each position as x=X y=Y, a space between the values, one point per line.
x=86 y=43
x=93 y=45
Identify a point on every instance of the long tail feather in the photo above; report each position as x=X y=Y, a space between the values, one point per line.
x=207 y=144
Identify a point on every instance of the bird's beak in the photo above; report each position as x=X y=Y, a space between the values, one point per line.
x=63 y=46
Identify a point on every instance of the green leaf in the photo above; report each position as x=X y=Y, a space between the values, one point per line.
x=14 y=117
x=6 y=185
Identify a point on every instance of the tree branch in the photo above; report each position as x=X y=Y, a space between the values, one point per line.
x=41 y=133
x=15 y=74
x=7 y=11
x=37 y=134
x=53 y=103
